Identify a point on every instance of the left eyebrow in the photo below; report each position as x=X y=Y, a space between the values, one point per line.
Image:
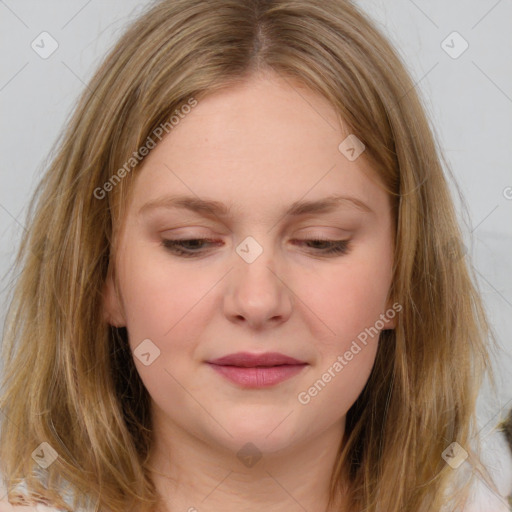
x=211 y=207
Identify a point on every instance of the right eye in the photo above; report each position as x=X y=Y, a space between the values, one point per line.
x=187 y=248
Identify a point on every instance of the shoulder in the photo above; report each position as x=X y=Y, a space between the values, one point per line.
x=496 y=458
x=21 y=487
x=5 y=506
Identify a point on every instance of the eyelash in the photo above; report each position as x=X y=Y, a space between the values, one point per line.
x=335 y=247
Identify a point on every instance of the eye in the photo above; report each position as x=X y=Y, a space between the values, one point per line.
x=330 y=246
x=186 y=248
x=190 y=248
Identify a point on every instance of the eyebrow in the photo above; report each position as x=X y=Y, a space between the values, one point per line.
x=216 y=208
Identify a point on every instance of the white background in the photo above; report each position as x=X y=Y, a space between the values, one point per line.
x=468 y=99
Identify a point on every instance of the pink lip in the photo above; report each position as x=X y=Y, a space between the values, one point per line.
x=257 y=370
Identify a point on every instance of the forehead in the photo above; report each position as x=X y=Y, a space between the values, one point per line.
x=266 y=112
x=268 y=138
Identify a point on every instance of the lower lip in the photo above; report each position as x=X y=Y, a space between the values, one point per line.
x=258 y=377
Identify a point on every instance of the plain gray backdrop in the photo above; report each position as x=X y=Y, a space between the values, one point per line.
x=458 y=53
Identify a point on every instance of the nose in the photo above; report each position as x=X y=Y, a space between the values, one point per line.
x=259 y=291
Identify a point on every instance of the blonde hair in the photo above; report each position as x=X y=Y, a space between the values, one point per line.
x=69 y=377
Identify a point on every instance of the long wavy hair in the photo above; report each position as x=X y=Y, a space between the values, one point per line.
x=69 y=379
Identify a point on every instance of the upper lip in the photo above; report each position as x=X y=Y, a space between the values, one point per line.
x=246 y=359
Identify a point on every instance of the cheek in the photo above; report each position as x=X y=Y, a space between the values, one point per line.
x=330 y=393
x=350 y=303
x=156 y=296
x=349 y=299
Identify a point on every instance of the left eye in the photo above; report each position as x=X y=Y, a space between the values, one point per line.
x=191 y=247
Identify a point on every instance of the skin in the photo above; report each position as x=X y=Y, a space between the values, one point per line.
x=258 y=146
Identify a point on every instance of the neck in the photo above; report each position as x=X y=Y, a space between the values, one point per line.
x=195 y=476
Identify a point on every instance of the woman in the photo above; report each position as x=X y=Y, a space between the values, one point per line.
x=301 y=355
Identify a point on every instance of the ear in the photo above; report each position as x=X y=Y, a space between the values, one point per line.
x=113 y=311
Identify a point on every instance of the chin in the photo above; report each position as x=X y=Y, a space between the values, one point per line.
x=259 y=436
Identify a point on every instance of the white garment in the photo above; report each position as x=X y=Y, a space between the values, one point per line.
x=496 y=457
x=5 y=506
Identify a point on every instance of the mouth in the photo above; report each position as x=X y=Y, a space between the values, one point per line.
x=257 y=370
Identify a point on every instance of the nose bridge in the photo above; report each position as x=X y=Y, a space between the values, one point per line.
x=257 y=266
x=250 y=249
x=256 y=290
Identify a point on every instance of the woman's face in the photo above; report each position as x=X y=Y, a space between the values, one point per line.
x=258 y=284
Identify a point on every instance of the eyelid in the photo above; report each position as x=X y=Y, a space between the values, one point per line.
x=335 y=247
x=337 y=231
x=184 y=233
